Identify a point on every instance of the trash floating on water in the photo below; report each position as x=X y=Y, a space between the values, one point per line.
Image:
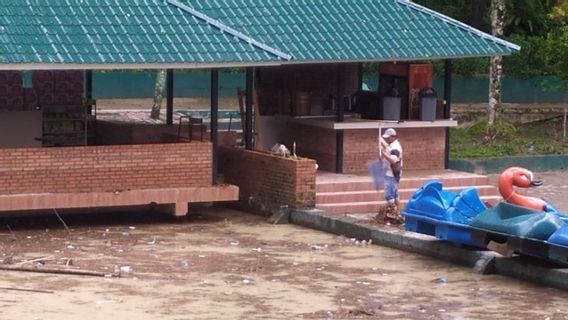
x=125 y=269
x=186 y=263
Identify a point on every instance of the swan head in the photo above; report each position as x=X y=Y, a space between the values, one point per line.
x=519 y=177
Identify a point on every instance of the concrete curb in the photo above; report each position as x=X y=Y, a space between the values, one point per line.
x=496 y=165
x=480 y=261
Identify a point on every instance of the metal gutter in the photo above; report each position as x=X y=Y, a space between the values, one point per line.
x=459 y=24
x=230 y=30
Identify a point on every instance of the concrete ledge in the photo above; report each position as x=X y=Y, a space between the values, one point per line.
x=38 y=201
x=496 y=165
x=518 y=267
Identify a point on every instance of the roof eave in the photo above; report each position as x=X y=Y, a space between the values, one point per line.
x=137 y=66
x=406 y=59
x=462 y=25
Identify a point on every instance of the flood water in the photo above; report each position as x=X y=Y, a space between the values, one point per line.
x=225 y=264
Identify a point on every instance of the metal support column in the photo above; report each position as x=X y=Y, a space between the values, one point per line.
x=360 y=72
x=447 y=107
x=169 y=97
x=340 y=118
x=214 y=122
x=89 y=85
x=248 y=108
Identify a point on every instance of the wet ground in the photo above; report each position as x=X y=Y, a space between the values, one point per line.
x=225 y=264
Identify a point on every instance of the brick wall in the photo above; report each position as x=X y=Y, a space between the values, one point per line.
x=423 y=148
x=109 y=133
x=313 y=143
x=271 y=181
x=105 y=168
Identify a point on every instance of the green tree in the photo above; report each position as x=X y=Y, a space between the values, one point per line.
x=529 y=17
x=557 y=41
x=496 y=65
x=158 y=94
x=527 y=23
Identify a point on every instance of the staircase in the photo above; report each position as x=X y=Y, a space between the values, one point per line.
x=355 y=194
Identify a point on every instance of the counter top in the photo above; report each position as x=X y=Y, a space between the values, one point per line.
x=352 y=123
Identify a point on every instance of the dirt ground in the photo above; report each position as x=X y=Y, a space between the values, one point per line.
x=225 y=264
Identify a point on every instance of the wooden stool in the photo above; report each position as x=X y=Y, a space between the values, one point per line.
x=192 y=122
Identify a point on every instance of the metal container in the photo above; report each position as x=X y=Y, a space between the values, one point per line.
x=391 y=105
x=428 y=103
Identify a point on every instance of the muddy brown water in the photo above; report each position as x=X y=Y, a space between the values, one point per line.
x=225 y=264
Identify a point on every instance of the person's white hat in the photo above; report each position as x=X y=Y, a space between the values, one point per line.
x=389 y=133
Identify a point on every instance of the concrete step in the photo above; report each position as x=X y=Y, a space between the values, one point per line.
x=366 y=183
x=372 y=195
x=367 y=207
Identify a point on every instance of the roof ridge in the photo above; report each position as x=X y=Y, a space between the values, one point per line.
x=459 y=24
x=225 y=28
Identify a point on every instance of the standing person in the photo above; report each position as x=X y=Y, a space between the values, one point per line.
x=391 y=151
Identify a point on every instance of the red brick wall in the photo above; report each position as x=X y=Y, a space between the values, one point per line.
x=271 y=181
x=109 y=133
x=423 y=148
x=105 y=168
x=313 y=143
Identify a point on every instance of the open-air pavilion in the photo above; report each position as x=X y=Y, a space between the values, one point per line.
x=313 y=47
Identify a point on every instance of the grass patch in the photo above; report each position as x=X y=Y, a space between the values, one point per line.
x=504 y=139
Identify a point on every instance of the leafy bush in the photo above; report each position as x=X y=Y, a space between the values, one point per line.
x=531 y=61
x=535 y=138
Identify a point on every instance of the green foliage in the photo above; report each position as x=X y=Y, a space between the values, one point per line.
x=538 y=26
x=558 y=52
x=529 y=17
x=472 y=12
x=370 y=67
x=532 y=61
x=507 y=140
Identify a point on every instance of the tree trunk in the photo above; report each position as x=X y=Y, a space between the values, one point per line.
x=496 y=66
x=158 y=94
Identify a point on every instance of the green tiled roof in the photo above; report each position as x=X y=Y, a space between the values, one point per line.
x=113 y=32
x=193 y=33
x=334 y=30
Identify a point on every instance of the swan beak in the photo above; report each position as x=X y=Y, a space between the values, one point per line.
x=536 y=183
